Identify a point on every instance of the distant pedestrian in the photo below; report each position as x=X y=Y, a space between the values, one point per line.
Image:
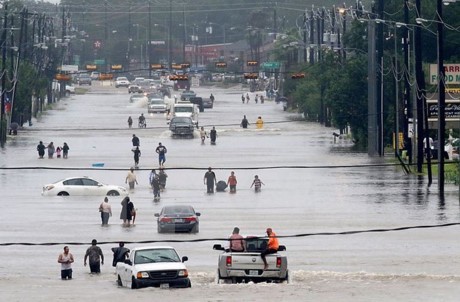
x=156 y=187
x=161 y=150
x=136 y=141
x=232 y=182
x=257 y=184
x=211 y=97
x=256 y=99
x=242 y=98
x=203 y=135
x=244 y=122
x=66 y=260
x=213 y=135
x=106 y=211
x=130 y=122
x=162 y=176
x=58 y=152
x=259 y=123
x=41 y=149
x=210 y=180
x=51 y=150
x=152 y=175
x=127 y=209
x=120 y=254
x=262 y=99
x=247 y=98
x=65 y=150
x=131 y=178
x=96 y=257
x=137 y=154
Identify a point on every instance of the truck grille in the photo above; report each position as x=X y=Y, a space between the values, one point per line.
x=158 y=275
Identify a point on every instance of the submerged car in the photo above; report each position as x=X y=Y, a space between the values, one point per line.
x=157 y=266
x=156 y=104
x=82 y=186
x=178 y=219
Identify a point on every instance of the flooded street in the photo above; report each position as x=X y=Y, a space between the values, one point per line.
x=312 y=185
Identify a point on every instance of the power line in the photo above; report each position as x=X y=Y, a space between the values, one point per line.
x=397 y=229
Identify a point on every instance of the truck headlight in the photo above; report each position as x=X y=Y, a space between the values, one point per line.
x=182 y=273
x=141 y=275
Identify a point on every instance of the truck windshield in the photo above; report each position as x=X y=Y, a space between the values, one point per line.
x=156 y=255
x=183 y=109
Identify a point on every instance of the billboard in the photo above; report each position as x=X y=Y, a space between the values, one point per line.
x=452 y=72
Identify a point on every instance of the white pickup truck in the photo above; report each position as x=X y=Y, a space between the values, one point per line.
x=237 y=267
x=157 y=266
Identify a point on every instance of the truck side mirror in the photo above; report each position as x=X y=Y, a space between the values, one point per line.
x=281 y=248
x=218 y=247
x=184 y=258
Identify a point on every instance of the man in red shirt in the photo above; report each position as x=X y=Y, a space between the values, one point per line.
x=272 y=246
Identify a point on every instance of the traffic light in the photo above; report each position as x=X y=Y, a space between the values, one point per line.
x=252 y=63
x=221 y=65
x=157 y=66
x=296 y=76
x=178 y=77
x=251 y=76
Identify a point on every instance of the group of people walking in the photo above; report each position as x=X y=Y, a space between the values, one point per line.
x=127 y=214
x=245 y=123
x=246 y=98
x=210 y=181
x=160 y=150
x=212 y=135
x=93 y=256
x=64 y=150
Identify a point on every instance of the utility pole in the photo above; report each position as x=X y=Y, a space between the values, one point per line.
x=422 y=114
x=312 y=38
x=407 y=103
x=379 y=98
x=3 y=43
x=441 y=98
x=150 y=40
x=304 y=36
x=170 y=37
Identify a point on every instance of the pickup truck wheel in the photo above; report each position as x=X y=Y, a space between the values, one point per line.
x=134 y=284
x=119 y=283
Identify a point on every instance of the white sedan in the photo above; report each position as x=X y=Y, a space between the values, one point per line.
x=121 y=82
x=82 y=186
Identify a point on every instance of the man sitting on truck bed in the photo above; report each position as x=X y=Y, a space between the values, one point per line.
x=272 y=246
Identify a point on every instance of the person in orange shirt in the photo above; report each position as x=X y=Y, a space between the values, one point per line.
x=272 y=246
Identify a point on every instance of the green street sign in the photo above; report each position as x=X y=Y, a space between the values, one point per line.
x=99 y=62
x=271 y=65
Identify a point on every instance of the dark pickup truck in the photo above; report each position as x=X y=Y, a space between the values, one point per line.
x=181 y=126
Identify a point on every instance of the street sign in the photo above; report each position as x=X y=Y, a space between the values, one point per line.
x=72 y=68
x=156 y=42
x=99 y=62
x=271 y=65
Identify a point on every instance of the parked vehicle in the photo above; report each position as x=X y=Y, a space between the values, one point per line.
x=153 y=266
x=84 y=79
x=82 y=186
x=95 y=75
x=121 y=82
x=246 y=266
x=178 y=219
x=181 y=126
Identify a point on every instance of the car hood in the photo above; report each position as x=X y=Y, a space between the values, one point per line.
x=160 y=266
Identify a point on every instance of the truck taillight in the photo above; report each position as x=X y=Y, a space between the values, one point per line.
x=278 y=261
x=228 y=261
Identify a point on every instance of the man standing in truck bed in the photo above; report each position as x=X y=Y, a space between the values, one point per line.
x=272 y=246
